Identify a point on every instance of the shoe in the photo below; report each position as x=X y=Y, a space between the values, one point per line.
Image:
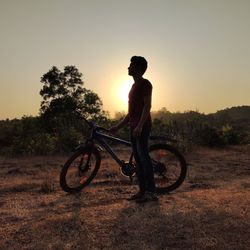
x=148 y=196
x=136 y=196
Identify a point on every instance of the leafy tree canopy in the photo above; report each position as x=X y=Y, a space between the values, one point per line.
x=63 y=92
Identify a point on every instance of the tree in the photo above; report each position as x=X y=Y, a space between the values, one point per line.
x=63 y=92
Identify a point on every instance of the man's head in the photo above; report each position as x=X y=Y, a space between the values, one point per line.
x=138 y=66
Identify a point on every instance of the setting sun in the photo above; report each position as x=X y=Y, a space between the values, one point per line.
x=120 y=93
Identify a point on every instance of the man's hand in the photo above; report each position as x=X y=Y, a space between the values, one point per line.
x=137 y=131
x=120 y=124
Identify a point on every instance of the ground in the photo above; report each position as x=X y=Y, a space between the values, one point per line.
x=209 y=211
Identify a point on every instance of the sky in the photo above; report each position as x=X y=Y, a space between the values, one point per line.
x=198 y=51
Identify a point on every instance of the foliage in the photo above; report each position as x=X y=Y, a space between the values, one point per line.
x=58 y=129
x=231 y=126
x=32 y=135
x=62 y=94
x=61 y=90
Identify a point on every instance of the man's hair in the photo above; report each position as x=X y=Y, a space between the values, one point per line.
x=141 y=62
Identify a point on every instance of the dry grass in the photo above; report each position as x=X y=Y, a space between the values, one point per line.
x=210 y=211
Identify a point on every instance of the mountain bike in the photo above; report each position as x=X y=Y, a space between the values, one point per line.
x=169 y=165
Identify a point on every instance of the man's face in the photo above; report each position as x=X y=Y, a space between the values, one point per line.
x=133 y=70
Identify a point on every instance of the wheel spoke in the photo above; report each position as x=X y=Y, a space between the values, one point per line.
x=169 y=167
x=79 y=170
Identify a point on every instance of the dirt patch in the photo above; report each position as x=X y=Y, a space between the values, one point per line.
x=209 y=211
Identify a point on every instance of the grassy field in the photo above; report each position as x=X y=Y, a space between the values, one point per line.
x=209 y=211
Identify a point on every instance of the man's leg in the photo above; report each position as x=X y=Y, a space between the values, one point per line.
x=145 y=160
x=139 y=167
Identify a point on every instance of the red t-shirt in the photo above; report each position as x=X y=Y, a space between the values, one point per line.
x=139 y=90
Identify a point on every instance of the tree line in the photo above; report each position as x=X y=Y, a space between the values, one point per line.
x=58 y=129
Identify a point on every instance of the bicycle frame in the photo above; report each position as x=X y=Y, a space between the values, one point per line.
x=167 y=181
x=99 y=137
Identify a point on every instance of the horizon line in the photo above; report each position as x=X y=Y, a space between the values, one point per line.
x=125 y=112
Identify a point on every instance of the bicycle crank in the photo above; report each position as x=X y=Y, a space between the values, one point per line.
x=128 y=169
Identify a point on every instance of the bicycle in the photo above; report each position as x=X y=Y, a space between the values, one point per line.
x=169 y=165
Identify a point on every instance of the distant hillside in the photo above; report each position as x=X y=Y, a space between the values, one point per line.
x=228 y=115
x=240 y=113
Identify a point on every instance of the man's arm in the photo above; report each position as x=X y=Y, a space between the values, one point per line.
x=121 y=124
x=144 y=115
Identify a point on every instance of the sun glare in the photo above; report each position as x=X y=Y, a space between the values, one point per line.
x=121 y=92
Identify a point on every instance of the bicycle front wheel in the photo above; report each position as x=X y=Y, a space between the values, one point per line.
x=80 y=169
x=169 y=166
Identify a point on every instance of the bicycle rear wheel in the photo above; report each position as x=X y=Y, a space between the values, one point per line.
x=80 y=169
x=169 y=166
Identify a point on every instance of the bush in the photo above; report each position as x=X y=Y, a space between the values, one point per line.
x=39 y=144
x=67 y=140
x=229 y=135
x=211 y=137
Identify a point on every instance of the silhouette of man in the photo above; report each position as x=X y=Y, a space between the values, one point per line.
x=139 y=119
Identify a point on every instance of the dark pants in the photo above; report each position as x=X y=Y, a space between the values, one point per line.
x=144 y=168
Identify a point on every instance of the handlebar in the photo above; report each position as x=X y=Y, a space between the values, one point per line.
x=89 y=123
x=92 y=125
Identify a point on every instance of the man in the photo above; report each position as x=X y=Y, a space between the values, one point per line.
x=139 y=119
